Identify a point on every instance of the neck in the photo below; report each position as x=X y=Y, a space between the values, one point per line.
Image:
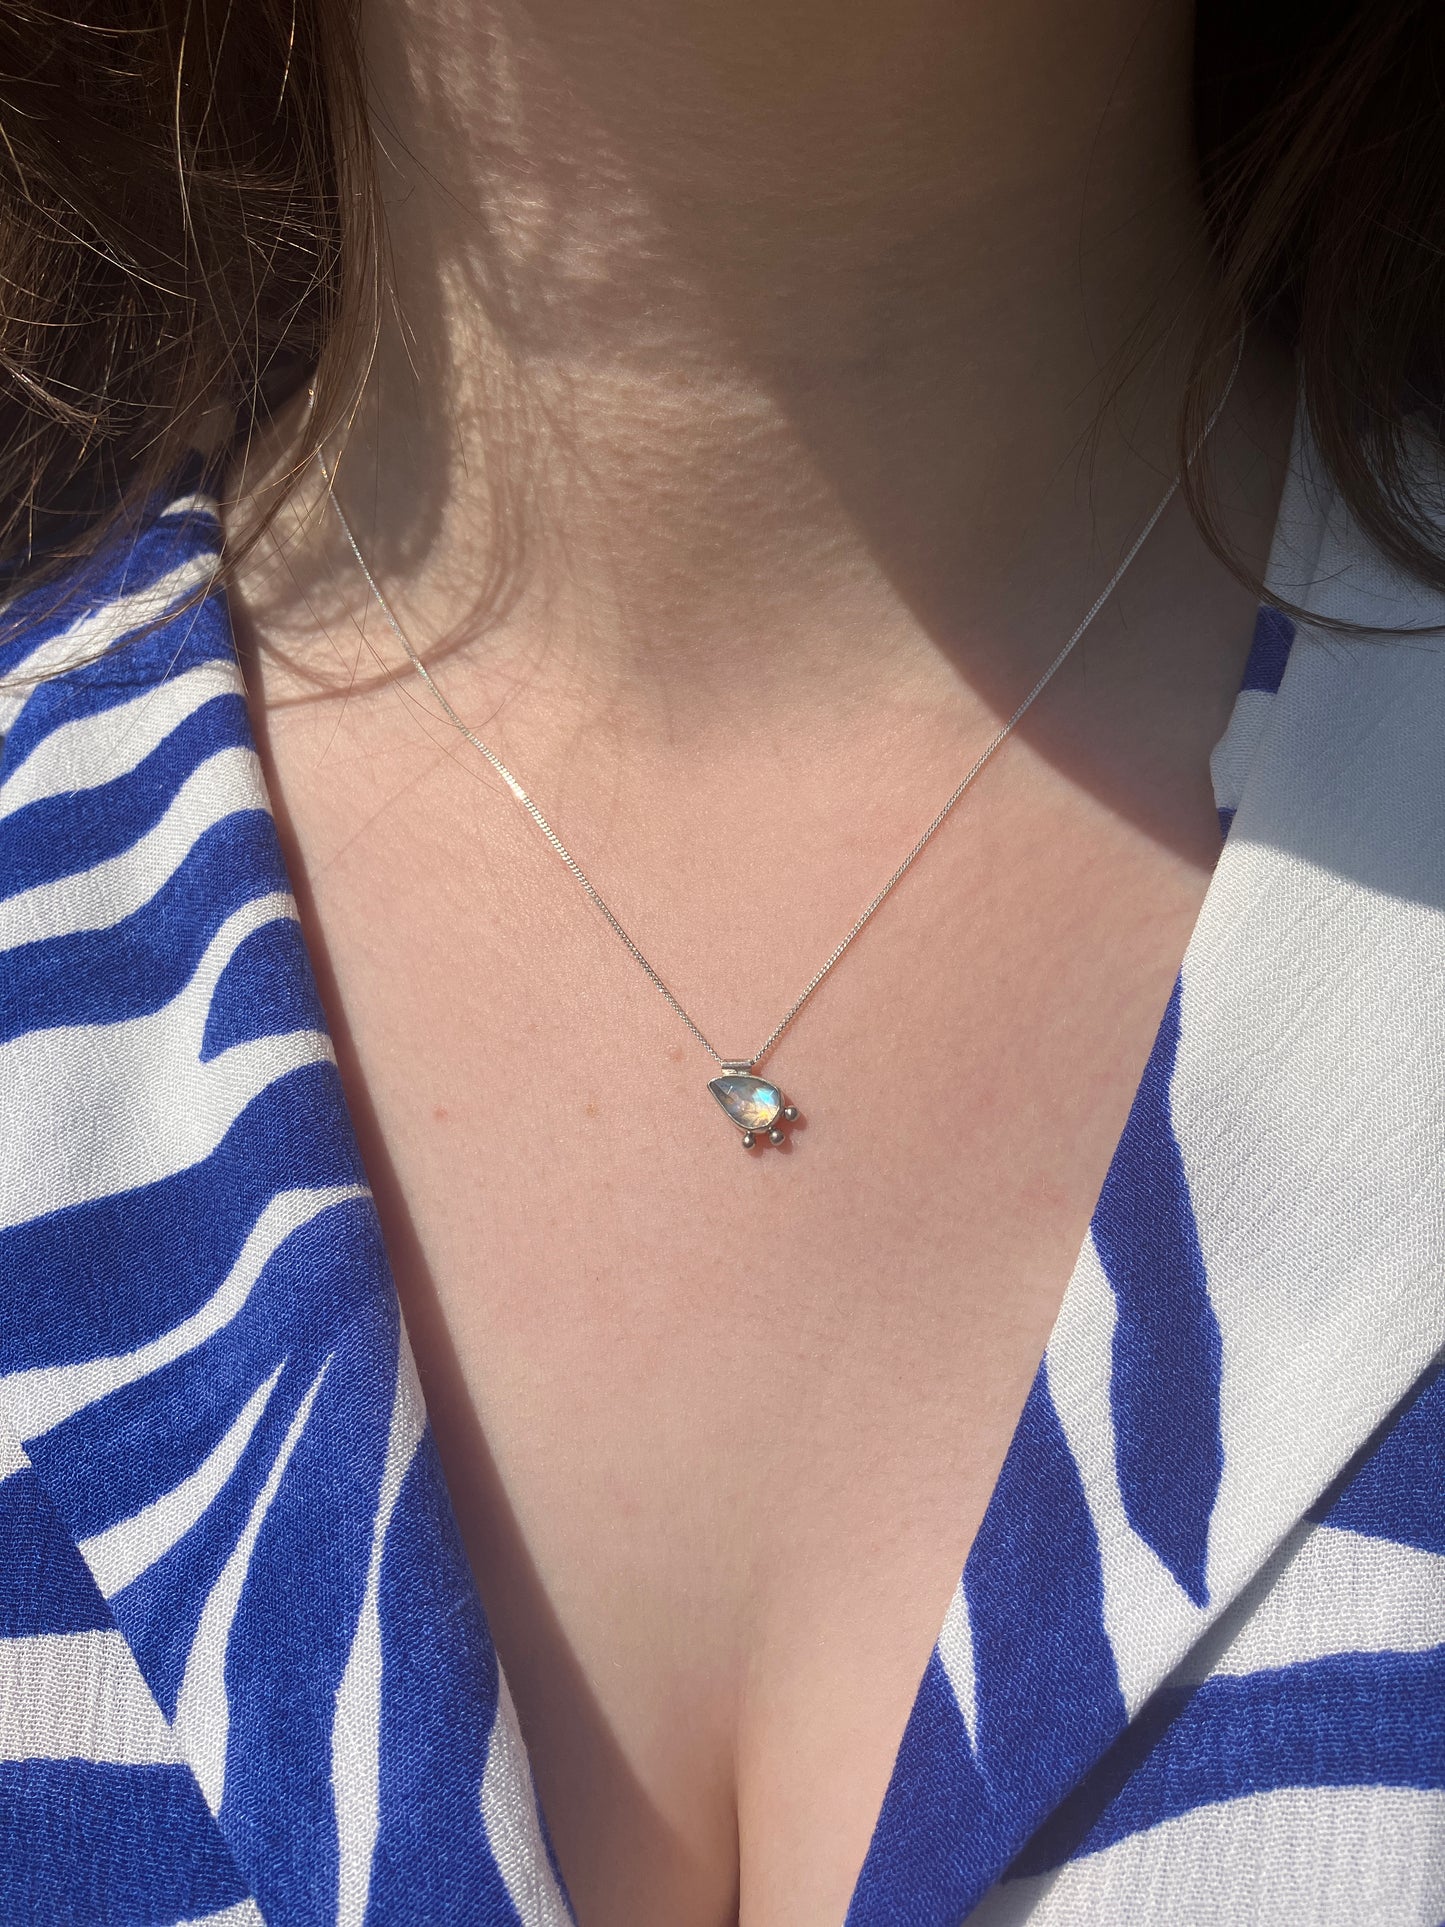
x=744 y=345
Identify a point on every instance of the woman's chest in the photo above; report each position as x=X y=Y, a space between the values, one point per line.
x=1210 y=1563
x=720 y=1426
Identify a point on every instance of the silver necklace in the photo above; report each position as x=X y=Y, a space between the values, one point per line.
x=756 y=1105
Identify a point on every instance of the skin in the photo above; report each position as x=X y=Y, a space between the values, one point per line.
x=768 y=391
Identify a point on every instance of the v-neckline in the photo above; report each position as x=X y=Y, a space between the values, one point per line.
x=951 y=1670
x=1041 y=1658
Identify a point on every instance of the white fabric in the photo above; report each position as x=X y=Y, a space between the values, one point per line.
x=1298 y=1857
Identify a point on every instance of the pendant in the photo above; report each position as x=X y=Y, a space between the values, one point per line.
x=754 y=1105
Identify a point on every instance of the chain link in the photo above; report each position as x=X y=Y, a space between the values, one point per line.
x=840 y=950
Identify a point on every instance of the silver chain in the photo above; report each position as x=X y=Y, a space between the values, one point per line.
x=876 y=903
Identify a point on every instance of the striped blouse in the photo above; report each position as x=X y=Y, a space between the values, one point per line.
x=1194 y=1670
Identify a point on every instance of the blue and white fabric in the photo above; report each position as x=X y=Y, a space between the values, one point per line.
x=1194 y=1671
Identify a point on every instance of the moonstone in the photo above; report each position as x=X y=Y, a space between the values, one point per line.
x=751 y=1102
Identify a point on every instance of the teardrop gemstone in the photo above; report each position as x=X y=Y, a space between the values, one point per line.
x=751 y=1102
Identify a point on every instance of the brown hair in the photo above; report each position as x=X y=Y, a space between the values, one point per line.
x=188 y=222
x=187 y=227
x=1321 y=134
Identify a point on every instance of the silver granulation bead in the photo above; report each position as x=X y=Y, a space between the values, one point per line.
x=790 y=1112
x=748 y=1140
x=775 y=1136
